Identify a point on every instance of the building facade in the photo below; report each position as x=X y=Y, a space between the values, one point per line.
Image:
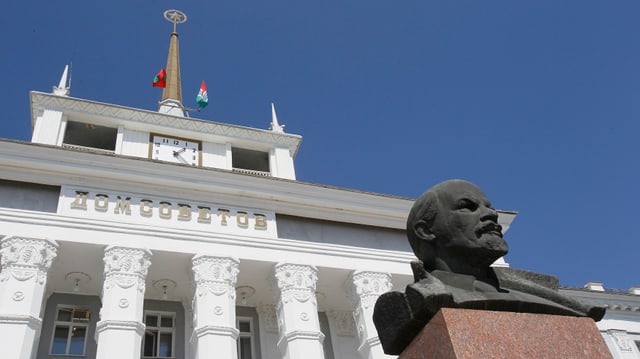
x=128 y=233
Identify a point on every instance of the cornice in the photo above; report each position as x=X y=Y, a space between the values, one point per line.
x=54 y=225
x=145 y=120
x=616 y=301
x=23 y=161
x=53 y=165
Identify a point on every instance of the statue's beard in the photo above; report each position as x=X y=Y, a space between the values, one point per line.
x=491 y=248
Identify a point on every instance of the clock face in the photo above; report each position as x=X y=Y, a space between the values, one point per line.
x=177 y=150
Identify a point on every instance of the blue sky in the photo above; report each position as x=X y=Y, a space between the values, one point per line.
x=536 y=102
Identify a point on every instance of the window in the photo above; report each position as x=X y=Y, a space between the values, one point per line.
x=90 y=135
x=250 y=160
x=70 y=331
x=245 y=340
x=159 y=335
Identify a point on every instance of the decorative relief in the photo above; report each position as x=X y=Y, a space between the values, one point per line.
x=26 y=258
x=218 y=310
x=126 y=267
x=304 y=316
x=296 y=282
x=621 y=339
x=268 y=318
x=18 y=296
x=366 y=287
x=124 y=302
x=215 y=275
x=344 y=323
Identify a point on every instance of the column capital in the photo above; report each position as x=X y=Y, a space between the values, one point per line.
x=622 y=340
x=26 y=258
x=124 y=266
x=215 y=275
x=297 y=281
x=25 y=263
x=364 y=287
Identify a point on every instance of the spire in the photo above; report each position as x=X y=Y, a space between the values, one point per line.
x=275 y=127
x=171 y=102
x=63 y=89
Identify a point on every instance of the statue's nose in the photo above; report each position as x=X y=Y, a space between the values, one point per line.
x=489 y=213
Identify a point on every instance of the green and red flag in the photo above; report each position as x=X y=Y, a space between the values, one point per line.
x=202 y=99
x=161 y=79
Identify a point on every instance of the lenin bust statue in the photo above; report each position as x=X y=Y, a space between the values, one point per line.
x=454 y=232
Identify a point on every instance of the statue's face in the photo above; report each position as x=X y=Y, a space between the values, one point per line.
x=466 y=226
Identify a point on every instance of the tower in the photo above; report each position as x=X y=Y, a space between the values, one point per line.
x=171 y=102
x=166 y=135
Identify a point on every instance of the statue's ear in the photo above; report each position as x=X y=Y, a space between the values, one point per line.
x=423 y=231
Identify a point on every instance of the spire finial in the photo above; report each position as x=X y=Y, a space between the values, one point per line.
x=176 y=17
x=275 y=126
x=63 y=89
x=171 y=102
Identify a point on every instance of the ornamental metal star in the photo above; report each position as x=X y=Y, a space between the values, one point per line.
x=176 y=17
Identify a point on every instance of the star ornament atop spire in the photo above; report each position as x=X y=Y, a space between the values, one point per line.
x=176 y=17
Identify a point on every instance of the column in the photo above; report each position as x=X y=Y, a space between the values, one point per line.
x=364 y=289
x=624 y=345
x=214 y=307
x=297 y=311
x=120 y=329
x=25 y=264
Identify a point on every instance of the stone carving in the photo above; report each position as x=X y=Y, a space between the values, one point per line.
x=366 y=287
x=621 y=339
x=294 y=291
x=123 y=303
x=454 y=232
x=363 y=290
x=296 y=282
x=18 y=296
x=126 y=267
x=215 y=275
x=26 y=258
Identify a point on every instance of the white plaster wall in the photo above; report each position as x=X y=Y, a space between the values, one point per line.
x=135 y=143
x=215 y=155
x=269 y=347
x=282 y=163
x=268 y=340
x=47 y=128
x=345 y=346
x=318 y=231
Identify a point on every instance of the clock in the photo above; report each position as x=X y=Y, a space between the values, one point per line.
x=175 y=149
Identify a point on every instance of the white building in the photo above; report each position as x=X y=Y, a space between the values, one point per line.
x=128 y=233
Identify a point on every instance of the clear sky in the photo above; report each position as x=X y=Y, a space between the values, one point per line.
x=537 y=102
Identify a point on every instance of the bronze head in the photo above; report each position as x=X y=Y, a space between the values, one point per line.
x=453 y=226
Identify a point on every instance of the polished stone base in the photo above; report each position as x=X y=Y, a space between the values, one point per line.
x=466 y=333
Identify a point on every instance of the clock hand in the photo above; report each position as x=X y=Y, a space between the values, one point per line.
x=176 y=153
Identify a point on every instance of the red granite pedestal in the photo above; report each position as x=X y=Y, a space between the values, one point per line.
x=466 y=333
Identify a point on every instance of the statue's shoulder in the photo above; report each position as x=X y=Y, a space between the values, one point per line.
x=508 y=276
x=399 y=316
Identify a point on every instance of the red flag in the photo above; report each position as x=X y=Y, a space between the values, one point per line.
x=160 y=79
